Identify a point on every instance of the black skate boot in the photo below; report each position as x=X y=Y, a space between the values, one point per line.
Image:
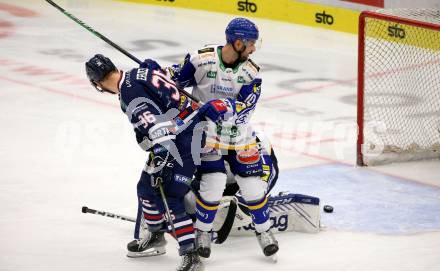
x=203 y=243
x=191 y=262
x=152 y=245
x=268 y=243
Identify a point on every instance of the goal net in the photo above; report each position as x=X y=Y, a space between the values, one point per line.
x=398 y=86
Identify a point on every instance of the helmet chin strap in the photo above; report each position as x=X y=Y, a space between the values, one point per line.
x=108 y=91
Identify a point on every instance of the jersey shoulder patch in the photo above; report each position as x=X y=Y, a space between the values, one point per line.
x=205 y=58
x=206 y=50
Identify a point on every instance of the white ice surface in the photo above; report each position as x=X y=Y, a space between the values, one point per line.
x=64 y=146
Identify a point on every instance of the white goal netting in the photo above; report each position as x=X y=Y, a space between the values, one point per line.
x=401 y=86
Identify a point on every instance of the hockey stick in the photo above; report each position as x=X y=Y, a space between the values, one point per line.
x=85 y=209
x=225 y=229
x=111 y=43
x=167 y=209
x=222 y=233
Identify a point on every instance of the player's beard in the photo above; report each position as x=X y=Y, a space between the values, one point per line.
x=240 y=55
x=244 y=57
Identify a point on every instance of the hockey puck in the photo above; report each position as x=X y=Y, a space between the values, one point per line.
x=328 y=209
x=84 y=209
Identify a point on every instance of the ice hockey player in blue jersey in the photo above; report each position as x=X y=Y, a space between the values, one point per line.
x=164 y=125
x=227 y=72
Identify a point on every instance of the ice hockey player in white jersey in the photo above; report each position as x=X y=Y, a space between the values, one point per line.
x=270 y=176
x=220 y=72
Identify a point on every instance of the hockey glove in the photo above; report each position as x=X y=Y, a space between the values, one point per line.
x=150 y=64
x=216 y=110
x=173 y=71
x=161 y=166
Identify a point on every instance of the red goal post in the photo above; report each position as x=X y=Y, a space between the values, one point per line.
x=398 y=108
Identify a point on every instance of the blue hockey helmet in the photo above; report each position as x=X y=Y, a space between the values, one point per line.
x=97 y=68
x=241 y=29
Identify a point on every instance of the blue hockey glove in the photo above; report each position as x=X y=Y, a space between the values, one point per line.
x=173 y=71
x=216 y=110
x=150 y=64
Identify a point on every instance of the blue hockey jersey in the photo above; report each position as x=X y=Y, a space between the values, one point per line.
x=156 y=109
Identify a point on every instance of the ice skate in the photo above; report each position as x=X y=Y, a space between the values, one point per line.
x=191 y=262
x=152 y=245
x=268 y=243
x=203 y=243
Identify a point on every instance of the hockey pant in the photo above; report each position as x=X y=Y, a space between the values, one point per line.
x=270 y=175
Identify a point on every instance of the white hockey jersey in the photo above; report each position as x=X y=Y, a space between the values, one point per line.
x=205 y=71
x=212 y=80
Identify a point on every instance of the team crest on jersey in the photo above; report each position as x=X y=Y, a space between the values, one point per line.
x=248 y=156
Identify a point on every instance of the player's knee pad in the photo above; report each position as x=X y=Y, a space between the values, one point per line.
x=212 y=186
x=210 y=194
x=252 y=188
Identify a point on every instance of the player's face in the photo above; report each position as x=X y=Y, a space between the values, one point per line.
x=101 y=88
x=249 y=49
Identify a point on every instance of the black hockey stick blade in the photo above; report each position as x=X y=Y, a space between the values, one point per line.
x=223 y=232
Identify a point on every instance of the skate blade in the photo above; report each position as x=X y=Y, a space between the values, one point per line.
x=274 y=258
x=147 y=253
